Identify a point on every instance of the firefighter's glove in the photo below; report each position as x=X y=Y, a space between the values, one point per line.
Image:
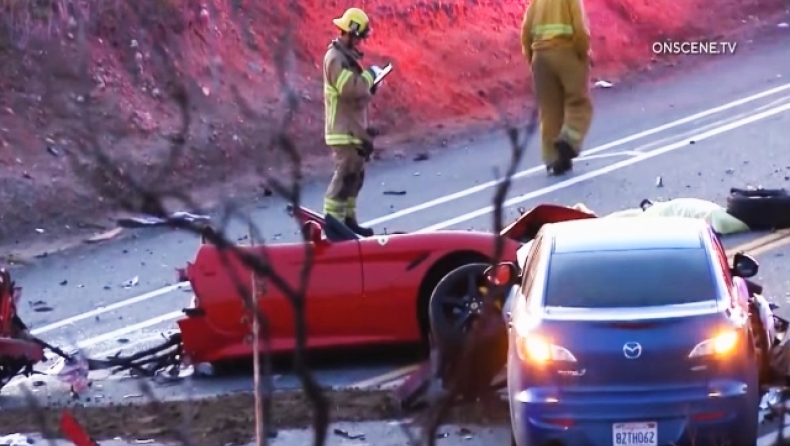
x=366 y=150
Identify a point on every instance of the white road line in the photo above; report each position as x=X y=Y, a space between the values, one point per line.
x=108 y=308
x=610 y=168
x=129 y=329
x=442 y=200
x=516 y=200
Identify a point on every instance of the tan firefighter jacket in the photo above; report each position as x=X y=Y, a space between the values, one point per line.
x=346 y=97
x=555 y=23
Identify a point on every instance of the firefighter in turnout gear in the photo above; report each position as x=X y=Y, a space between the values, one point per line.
x=555 y=39
x=348 y=90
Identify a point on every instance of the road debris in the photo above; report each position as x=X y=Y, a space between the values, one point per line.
x=131 y=282
x=39 y=230
x=783 y=25
x=16 y=440
x=142 y=222
x=347 y=435
x=603 y=84
x=659 y=182
x=422 y=157
x=465 y=433
x=40 y=306
x=104 y=236
x=394 y=192
x=72 y=371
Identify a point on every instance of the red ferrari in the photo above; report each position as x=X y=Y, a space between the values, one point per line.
x=361 y=291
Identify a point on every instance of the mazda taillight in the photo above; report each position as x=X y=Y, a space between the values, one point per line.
x=536 y=349
x=721 y=345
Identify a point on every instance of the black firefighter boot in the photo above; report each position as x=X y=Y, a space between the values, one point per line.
x=351 y=222
x=566 y=155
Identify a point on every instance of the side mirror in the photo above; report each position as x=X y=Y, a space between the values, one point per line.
x=503 y=274
x=311 y=232
x=744 y=266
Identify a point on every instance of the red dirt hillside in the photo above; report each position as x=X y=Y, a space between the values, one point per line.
x=453 y=58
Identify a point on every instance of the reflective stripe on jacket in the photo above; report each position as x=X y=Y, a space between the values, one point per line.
x=346 y=98
x=553 y=23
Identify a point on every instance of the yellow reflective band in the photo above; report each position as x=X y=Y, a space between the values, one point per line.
x=330 y=105
x=342 y=80
x=335 y=208
x=341 y=140
x=368 y=76
x=554 y=29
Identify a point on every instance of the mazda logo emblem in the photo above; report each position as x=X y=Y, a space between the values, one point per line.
x=632 y=350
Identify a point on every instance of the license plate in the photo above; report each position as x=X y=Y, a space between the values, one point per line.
x=635 y=434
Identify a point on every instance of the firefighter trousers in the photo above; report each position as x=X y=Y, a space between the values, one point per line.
x=562 y=87
x=340 y=200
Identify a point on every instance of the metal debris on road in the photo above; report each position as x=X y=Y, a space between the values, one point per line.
x=131 y=282
x=394 y=192
x=349 y=436
x=39 y=230
x=659 y=182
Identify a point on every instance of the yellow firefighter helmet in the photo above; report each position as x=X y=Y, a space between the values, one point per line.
x=355 y=22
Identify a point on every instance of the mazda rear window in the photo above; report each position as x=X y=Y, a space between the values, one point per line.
x=629 y=278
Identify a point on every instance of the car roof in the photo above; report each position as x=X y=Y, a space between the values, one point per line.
x=627 y=233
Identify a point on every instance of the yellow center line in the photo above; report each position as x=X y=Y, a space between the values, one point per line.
x=756 y=247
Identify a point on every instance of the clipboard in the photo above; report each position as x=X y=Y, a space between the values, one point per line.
x=382 y=74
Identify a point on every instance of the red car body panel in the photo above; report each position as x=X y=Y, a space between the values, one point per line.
x=14 y=346
x=360 y=292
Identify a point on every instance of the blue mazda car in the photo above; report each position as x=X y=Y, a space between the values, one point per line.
x=631 y=332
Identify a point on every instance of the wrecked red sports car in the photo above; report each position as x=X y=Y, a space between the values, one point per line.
x=352 y=278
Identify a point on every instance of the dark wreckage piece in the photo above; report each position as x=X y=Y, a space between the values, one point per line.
x=18 y=350
x=167 y=356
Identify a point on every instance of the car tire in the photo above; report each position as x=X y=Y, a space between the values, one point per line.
x=479 y=361
x=760 y=209
x=443 y=331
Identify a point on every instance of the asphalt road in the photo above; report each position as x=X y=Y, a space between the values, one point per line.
x=733 y=108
